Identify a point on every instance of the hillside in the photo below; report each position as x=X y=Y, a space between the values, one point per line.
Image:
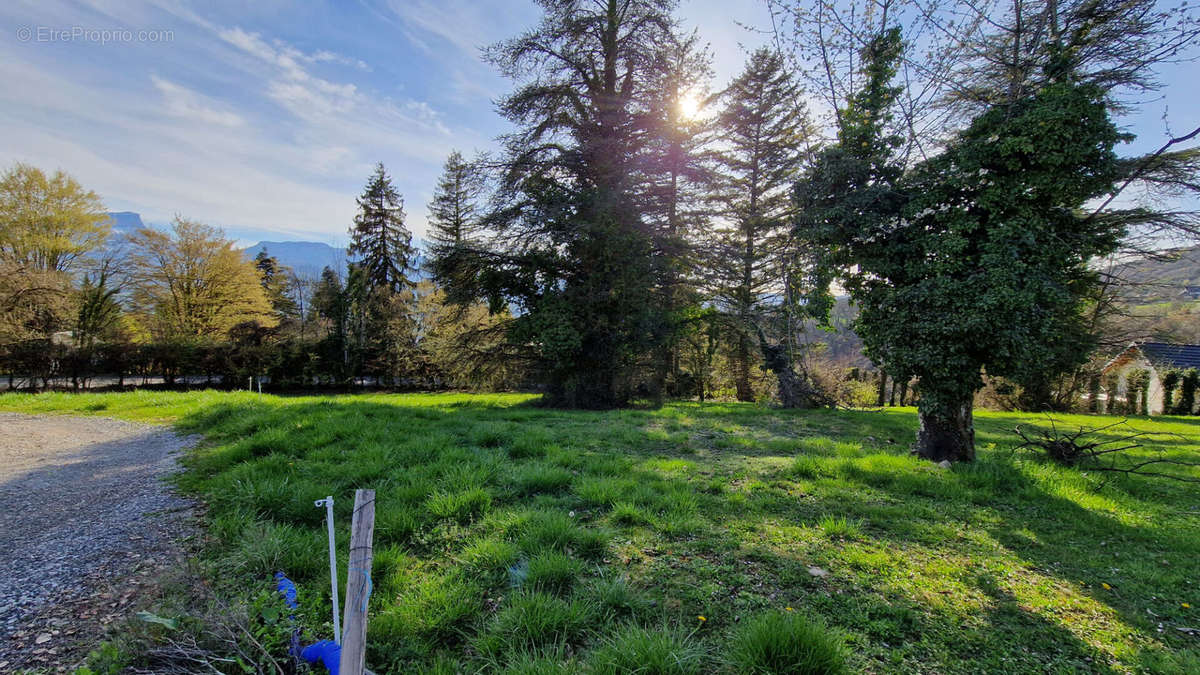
x=1154 y=281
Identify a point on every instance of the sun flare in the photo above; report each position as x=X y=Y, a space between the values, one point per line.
x=689 y=106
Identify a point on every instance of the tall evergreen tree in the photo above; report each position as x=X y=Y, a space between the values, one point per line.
x=379 y=237
x=275 y=279
x=454 y=215
x=766 y=130
x=454 y=211
x=331 y=303
x=573 y=253
x=679 y=179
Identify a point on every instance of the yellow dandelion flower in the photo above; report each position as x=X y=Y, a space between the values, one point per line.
x=1185 y=605
x=701 y=617
x=1105 y=586
x=788 y=609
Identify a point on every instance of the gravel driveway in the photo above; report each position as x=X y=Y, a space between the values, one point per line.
x=84 y=512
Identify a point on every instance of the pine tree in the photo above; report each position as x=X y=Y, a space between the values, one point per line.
x=572 y=251
x=454 y=217
x=379 y=238
x=680 y=177
x=454 y=211
x=275 y=282
x=765 y=125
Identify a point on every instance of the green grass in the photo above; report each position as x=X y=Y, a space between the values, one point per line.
x=516 y=539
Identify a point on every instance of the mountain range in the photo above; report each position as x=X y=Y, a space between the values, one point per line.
x=306 y=258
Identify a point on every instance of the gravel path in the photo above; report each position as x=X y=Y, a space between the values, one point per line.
x=83 y=508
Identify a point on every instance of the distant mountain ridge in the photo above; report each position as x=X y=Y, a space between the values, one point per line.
x=126 y=221
x=1153 y=281
x=306 y=258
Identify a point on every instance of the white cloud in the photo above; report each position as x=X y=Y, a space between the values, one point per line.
x=185 y=103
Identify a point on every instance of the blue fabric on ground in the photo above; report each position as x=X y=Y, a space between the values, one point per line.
x=326 y=652
x=287 y=589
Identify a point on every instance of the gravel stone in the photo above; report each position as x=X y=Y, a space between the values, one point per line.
x=85 y=514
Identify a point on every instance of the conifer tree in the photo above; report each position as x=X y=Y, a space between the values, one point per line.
x=454 y=211
x=572 y=250
x=765 y=126
x=275 y=282
x=679 y=180
x=379 y=237
x=454 y=215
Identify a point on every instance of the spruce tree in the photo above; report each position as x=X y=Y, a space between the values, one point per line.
x=765 y=127
x=454 y=215
x=679 y=180
x=454 y=211
x=379 y=237
x=572 y=251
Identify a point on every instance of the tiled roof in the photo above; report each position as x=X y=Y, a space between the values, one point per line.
x=1171 y=355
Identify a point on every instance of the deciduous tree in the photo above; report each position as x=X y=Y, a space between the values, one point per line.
x=190 y=282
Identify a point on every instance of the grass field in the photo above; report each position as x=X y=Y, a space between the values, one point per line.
x=695 y=538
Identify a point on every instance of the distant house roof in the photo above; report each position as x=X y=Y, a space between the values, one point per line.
x=1161 y=354
x=1173 y=356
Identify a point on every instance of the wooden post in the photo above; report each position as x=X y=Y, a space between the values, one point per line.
x=358 y=584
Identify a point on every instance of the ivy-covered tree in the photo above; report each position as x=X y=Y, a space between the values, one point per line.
x=976 y=259
x=379 y=238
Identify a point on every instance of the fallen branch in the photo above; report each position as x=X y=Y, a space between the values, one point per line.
x=1084 y=450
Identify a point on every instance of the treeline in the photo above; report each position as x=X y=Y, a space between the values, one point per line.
x=958 y=183
x=184 y=307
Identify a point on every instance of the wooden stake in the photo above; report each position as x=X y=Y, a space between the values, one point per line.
x=358 y=584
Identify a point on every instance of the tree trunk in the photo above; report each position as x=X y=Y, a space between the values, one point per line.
x=794 y=390
x=950 y=437
x=745 y=392
x=903 y=392
x=882 y=389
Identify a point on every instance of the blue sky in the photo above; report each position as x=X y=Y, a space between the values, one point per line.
x=265 y=118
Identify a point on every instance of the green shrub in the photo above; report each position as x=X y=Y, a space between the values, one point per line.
x=532 y=619
x=647 y=652
x=553 y=572
x=786 y=643
x=461 y=505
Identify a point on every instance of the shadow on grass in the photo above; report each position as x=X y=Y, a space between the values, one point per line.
x=459 y=477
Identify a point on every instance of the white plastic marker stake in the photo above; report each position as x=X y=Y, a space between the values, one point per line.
x=333 y=578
